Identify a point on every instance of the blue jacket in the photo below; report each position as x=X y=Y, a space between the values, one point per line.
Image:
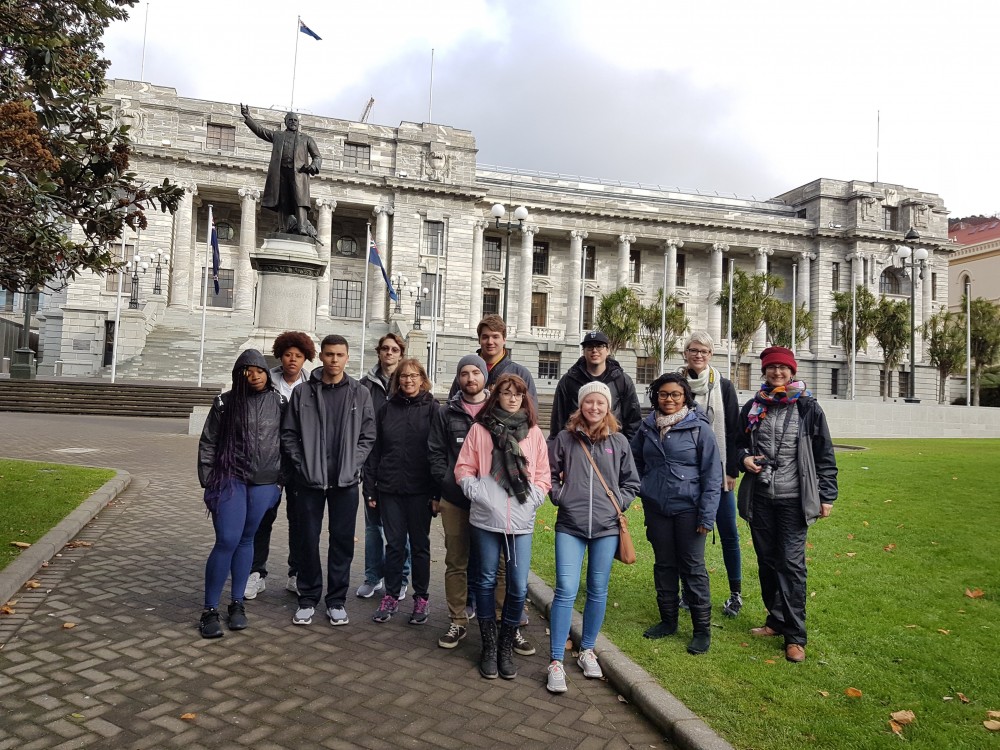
x=682 y=470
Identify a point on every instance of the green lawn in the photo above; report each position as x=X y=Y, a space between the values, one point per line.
x=36 y=496
x=915 y=526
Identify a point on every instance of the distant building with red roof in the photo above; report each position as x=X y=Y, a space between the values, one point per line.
x=976 y=260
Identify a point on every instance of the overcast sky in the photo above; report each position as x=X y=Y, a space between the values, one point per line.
x=751 y=98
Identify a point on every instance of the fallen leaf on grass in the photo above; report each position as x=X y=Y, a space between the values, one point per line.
x=909 y=626
x=961 y=697
x=993 y=714
x=853 y=693
x=889 y=547
x=68 y=625
x=20 y=545
x=809 y=545
x=903 y=717
x=887 y=501
x=189 y=717
x=992 y=724
x=942 y=631
x=850 y=536
x=947 y=698
x=974 y=593
x=824 y=693
x=770 y=661
x=851 y=554
x=935 y=543
x=546 y=528
x=896 y=728
x=865 y=524
x=744 y=644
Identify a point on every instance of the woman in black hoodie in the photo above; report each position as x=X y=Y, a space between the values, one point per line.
x=239 y=465
x=397 y=481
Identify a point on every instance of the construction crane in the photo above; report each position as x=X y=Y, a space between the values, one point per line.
x=368 y=110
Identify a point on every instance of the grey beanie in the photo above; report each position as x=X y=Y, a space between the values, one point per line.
x=594 y=386
x=473 y=359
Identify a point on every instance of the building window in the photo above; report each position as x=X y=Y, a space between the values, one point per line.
x=357 y=156
x=345 y=298
x=743 y=376
x=491 y=301
x=588 y=313
x=589 y=262
x=540 y=260
x=933 y=287
x=835 y=277
x=427 y=282
x=835 y=332
x=347 y=247
x=224 y=231
x=549 y=365
x=681 y=271
x=221 y=138
x=888 y=282
x=891 y=219
x=433 y=238
x=539 y=309
x=835 y=381
x=646 y=369
x=635 y=265
x=111 y=277
x=903 y=377
x=492 y=254
x=225 y=296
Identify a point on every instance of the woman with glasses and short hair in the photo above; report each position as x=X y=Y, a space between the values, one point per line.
x=503 y=468
x=716 y=396
x=678 y=461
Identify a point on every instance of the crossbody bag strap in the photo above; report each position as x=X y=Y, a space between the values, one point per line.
x=611 y=495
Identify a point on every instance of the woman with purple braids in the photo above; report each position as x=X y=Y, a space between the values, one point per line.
x=239 y=465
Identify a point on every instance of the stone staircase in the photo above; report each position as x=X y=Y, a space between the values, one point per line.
x=85 y=396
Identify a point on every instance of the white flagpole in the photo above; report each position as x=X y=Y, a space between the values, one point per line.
x=295 y=62
x=729 y=332
x=204 y=296
x=142 y=65
x=430 y=93
x=364 y=300
x=854 y=329
x=795 y=269
x=118 y=315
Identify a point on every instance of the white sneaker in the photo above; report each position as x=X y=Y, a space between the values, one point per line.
x=402 y=593
x=368 y=590
x=255 y=584
x=337 y=615
x=292 y=584
x=588 y=663
x=557 y=678
x=303 y=616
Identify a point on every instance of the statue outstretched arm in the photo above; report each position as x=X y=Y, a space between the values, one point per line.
x=255 y=126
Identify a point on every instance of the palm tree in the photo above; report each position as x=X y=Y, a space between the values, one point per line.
x=864 y=314
x=752 y=300
x=945 y=336
x=985 y=340
x=649 y=326
x=618 y=317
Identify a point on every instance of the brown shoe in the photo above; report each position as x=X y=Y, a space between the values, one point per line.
x=795 y=652
x=764 y=631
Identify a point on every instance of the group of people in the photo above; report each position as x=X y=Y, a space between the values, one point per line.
x=481 y=462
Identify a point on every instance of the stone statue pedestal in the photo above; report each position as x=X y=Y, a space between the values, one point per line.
x=288 y=268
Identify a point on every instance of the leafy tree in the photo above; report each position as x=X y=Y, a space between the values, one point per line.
x=865 y=314
x=618 y=317
x=752 y=301
x=892 y=331
x=944 y=334
x=65 y=188
x=649 y=326
x=985 y=318
x=779 y=323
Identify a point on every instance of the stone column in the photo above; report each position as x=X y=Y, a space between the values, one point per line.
x=378 y=295
x=926 y=304
x=324 y=229
x=803 y=292
x=624 y=246
x=528 y=232
x=476 y=286
x=243 y=294
x=180 y=249
x=714 y=290
x=760 y=267
x=670 y=267
x=573 y=310
x=197 y=258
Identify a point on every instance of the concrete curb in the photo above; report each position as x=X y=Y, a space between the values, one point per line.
x=679 y=724
x=24 y=567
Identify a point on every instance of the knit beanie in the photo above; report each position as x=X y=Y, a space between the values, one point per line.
x=594 y=386
x=778 y=355
x=473 y=359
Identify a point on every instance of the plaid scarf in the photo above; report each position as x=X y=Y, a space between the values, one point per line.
x=781 y=394
x=510 y=465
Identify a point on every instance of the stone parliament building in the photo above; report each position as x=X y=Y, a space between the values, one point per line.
x=429 y=203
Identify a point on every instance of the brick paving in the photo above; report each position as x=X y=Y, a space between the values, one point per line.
x=133 y=664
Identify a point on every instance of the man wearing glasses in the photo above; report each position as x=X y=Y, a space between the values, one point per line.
x=598 y=365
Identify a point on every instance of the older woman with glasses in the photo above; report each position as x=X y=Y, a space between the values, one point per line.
x=678 y=462
x=716 y=396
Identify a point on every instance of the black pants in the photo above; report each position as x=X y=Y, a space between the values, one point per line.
x=679 y=552
x=778 y=529
x=342 y=503
x=262 y=539
x=406 y=516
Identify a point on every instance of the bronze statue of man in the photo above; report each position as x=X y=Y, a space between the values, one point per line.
x=294 y=158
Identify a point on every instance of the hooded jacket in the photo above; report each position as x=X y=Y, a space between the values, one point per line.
x=304 y=434
x=256 y=449
x=376 y=388
x=399 y=464
x=624 y=400
x=449 y=429
x=680 y=471
x=585 y=510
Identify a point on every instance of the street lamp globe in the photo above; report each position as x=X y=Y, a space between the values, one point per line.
x=520 y=213
x=498 y=210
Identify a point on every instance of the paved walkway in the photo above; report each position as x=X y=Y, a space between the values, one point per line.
x=133 y=664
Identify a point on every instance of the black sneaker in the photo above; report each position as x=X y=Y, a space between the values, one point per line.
x=733 y=604
x=237 y=616
x=452 y=636
x=210 y=626
x=522 y=645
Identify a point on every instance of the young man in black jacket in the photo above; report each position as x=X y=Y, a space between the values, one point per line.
x=492 y=333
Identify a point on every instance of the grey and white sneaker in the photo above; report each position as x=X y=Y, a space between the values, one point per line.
x=337 y=615
x=303 y=616
x=556 y=682
x=255 y=584
x=733 y=604
x=368 y=590
x=588 y=663
x=292 y=584
x=402 y=594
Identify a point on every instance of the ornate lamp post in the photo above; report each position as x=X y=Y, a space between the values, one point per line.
x=135 y=265
x=520 y=215
x=421 y=295
x=161 y=257
x=399 y=282
x=917 y=256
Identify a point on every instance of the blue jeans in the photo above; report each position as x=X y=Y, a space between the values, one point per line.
x=241 y=506
x=516 y=549
x=375 y=549
x=725 y=521
x=569 y=563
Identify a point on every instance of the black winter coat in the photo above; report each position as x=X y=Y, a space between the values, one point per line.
x=448 y=430
x=503 y=367
x=398 y=464
x=624 y=400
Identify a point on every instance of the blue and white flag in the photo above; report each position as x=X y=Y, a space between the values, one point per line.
x=216 y=259
x=309 y=32
x=375 y=258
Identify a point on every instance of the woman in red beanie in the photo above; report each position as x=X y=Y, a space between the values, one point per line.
x=790 y=481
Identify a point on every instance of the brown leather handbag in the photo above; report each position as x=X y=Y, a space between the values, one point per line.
x=626 y=550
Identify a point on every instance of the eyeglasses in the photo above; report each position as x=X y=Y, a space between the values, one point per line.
x=698 y=352
x=410 y=376
x=391 y=349
x=512 y=395
x=670 y=395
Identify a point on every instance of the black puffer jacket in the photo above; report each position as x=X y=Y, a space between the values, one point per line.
x=256 y=446
x=624 y=400
x=398 y=463
x=448 y=431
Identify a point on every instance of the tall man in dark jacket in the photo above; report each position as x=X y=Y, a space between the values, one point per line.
x=596 y=364
x=327 y=433
x=492 y=333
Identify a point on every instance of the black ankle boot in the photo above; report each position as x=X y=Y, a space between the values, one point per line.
x=505 y=658
x=701 y=620
x=488 y=656
x=237 y=616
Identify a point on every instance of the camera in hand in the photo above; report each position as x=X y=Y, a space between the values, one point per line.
x=766 y=472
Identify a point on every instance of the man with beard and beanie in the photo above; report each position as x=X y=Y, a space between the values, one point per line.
x=492 y=333
x=596 y=365
x=327 y=433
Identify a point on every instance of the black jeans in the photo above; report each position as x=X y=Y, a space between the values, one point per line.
x=262 y=539
x=343 y=506
x=679 y=551
x=779 y=530
x=406 y=516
